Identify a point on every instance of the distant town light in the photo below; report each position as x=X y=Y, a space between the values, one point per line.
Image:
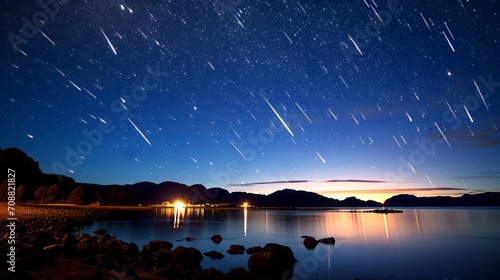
x=245 y=204
x=179 y=204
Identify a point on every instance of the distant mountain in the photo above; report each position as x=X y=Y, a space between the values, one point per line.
x=33 y=186
x=482 y=199
x=294 y=198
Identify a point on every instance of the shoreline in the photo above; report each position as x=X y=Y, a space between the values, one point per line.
x=48 y=244
x=134 y=208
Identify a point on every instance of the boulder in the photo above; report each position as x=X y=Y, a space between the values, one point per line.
x=155 y=245
x=53 y=249
x=209 y=274
x=236 y=250
x=163 y=256
x=253 y=249
x=241 y=274
x=42 y=239
x=214 y=255
x=100 y=231
x=68 y=239
x=328 y=240
x=310 y=242
x=85 y=250
x=188 y=257
x=216 y=238
x=130 y=249
x=274 y=261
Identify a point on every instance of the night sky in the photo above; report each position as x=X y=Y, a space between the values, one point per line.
x=365 y=98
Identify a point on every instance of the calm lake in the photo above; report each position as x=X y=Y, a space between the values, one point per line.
x=420 y=243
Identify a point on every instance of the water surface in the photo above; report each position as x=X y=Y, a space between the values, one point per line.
x=421 y=243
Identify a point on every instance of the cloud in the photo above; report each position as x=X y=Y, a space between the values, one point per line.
x=309 y=181
x=397 y=190
x=476 y=138
x=480 y=175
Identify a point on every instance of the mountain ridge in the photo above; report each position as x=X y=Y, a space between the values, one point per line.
x=34 y=186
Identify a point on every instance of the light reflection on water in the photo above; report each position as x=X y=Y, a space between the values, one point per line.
x=448 y=243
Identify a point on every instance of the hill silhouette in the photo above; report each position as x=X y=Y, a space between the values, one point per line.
x=34 y=186
x=481 y=199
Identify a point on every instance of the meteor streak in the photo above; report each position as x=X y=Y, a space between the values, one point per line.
x=109 y=42
x=279 y=117
x=140 y=132
x=443 y=135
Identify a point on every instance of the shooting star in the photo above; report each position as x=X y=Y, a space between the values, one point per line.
x=468 y=114
x=140 y=132
x=211 y=66
x=234 y=145
x=304 y=113
x=344 y=81
x=451 y=110
x=279 y=117
x=60 y=72
x=46 y=37
x=320 y=157
x=89 y=92
x=408 y=116
x=481 y=94
x=356 y=45
x=354 y=119
x=440 y=131
x=109 y=42
x=77 y=87
x=335 y=117
x=397 y=142
x=430 y=180
x=448 y=40
x=287 y=36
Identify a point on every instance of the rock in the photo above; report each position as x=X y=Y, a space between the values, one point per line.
x=90 y=261
x=85 y=250
x=52 y=250
x=100 y=231
x=170 y=271
x=214 y=255
x=253 y=249
x=163 y=256
x=236 y=250
x=187 y=256
x=130 y=249
x=68 y=239
x=328 y=240
x=209 y=274
x=43 y=239
x=274 y=261
x=241 y=274
x=310 y=242
x=216 y=238
x=155 y=245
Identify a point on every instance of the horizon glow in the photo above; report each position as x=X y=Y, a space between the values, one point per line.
x=230 y=95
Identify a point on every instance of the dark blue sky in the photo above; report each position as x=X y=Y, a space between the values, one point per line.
x=404 y=93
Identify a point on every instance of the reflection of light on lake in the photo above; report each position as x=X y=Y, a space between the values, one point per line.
x=245 y=217
x=418 y=225
x=386 y=229
x=179 y=208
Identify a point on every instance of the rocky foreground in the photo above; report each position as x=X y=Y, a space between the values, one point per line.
x=48 y=247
